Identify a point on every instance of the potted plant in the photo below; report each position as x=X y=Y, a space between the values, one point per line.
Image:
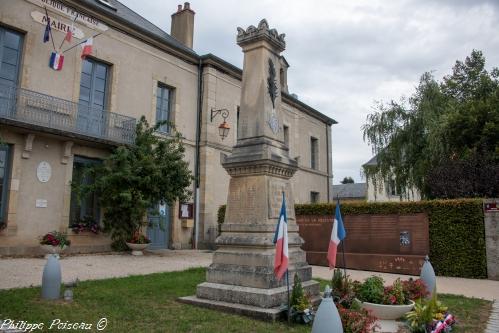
x=384 y=302
x=300 y=306
x=138 y=242
x=54 y=242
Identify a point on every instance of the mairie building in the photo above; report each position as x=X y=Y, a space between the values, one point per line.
x=61 y=114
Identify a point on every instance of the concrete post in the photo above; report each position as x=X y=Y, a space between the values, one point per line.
x=491 y=220
x=51 y=279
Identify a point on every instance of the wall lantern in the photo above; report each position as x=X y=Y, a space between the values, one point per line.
x=224 y=128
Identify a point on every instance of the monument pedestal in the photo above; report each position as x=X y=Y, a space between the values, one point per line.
x=241 y=278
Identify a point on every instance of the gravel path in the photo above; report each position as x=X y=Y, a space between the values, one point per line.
x=25 y=272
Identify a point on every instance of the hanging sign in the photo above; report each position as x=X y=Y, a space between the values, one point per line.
x=89 y=21
x=56 y=24
x=44 y=172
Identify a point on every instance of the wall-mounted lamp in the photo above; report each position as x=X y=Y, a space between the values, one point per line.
x=224 y=128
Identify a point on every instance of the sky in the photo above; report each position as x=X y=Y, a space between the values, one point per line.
x=345 y=56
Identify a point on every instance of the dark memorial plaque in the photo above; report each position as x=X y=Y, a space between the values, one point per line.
x=383 y=243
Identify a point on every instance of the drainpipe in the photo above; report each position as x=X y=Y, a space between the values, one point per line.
x=328 y=161
x=197 y=164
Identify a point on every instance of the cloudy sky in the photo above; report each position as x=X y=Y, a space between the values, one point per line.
x=345 y=55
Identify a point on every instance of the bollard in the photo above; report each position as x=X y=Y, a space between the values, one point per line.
x=327 y=319
x=428 y=277
x=51 y=279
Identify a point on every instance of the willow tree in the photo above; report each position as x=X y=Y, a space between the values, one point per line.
x=442 y=129
x=134 y=178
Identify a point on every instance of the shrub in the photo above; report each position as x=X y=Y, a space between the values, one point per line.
x=356 y=320
x=414 y=289
x=372 y=290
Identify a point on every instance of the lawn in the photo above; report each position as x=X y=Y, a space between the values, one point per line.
x=148 y=304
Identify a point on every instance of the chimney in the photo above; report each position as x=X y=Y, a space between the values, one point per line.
x=183 y=25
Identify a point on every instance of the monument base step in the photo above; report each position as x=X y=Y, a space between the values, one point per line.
x=260 y=297
x=268 y=314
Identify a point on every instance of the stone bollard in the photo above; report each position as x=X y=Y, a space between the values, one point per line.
x=327 y=319
x=51 y=279
x=428 y=277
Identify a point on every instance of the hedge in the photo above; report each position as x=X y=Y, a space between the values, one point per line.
x=457 y=231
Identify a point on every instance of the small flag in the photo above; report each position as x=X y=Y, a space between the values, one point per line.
x=281 y=241
x=87 y=47
x=46 y=35
x=56 y=61
x=337 y=235
x=69 y=34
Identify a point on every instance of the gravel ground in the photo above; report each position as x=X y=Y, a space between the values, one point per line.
x=25 y=272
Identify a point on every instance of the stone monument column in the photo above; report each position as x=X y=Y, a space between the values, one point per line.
x=241 y=278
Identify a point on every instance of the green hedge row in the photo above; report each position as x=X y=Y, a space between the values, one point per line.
x=457 y=231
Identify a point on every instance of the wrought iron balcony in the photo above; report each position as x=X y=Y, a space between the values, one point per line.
x=30 y=109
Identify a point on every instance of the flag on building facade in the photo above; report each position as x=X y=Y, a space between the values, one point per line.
x=69 y=34
x=281 y=259
x=87 y=47
x=46 y=35
x=337 y=235
x=56 y=61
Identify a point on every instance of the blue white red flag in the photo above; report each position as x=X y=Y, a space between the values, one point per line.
x=281 y=259
x=46 y=34
x=56 y=61
x=87 y=47
x=337 y=235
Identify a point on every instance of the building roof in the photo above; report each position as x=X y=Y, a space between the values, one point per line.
x=351 y=191
x=372 y=161
x=121 y=13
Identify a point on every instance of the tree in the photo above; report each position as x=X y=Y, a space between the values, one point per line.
x=347 y=180
x=443 y=126
x=133 y=179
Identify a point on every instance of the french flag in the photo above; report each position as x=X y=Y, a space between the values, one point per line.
x=281 y=259
x=337 y=235
x=56 y=61
x=87 y=47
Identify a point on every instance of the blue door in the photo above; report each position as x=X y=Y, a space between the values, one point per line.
x=10 y=59
x=158 y=230
x=93 y=96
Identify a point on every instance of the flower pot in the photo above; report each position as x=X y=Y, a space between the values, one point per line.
x=384 y=311
x=137 y=248
x=52 y=250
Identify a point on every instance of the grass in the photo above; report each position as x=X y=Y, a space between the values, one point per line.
x=148 y=304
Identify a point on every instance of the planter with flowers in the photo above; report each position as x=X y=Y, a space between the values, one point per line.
x=87 y=223
x=54 y=242
x=391 y=302
x=137 y=243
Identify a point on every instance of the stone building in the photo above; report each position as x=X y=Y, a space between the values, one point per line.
x=387 y=191
x=54 y=122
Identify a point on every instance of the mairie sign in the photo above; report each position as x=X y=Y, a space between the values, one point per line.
x=89 y=21
x=56 y=24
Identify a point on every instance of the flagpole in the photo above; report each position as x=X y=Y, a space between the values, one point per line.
x=72 y=29
x=72 y=47
x=50 y=28
x=342 y=245
x=289 y=305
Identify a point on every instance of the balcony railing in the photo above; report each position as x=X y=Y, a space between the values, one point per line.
x=29 y=108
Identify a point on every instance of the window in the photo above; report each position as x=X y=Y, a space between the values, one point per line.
x=314 y=153
x=391 y=188
x=89 y=205
x=93 y=97
x=285 y=129
x=314 y=197
x=4 y=181
x=163 y=106
x=10 y=56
